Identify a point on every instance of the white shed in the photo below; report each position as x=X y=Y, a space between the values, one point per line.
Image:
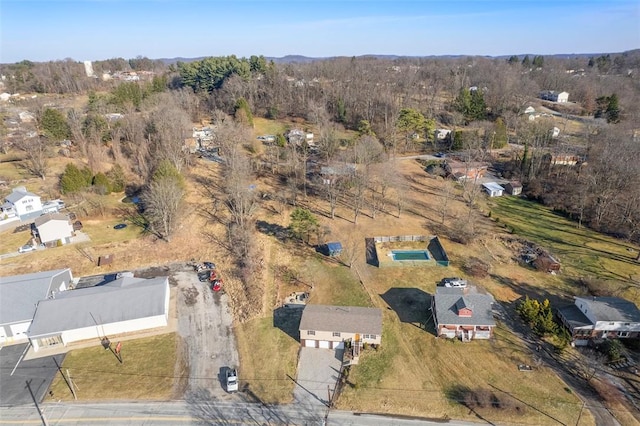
x=493 y=189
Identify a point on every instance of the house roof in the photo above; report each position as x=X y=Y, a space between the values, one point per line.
x=447 y=306
x=124 y=299
x=493 y=186
x=347 y=319
x=18 y=194
x=19 y=294
x=334 y=246
x=514 y=184
x=574 y=316
x=47 y=217
x=611 y=309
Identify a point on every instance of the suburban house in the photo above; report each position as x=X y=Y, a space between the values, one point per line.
x=465 y=170
x=553 y=96
x=600 y=318
x=124 y=305
x=493 y=189
x=330 y=174
x=513 y=188
x=442 y=134
x=54 y=227
x=324 y=326
x=22 y=203
x=459 y=314
x=19 y=296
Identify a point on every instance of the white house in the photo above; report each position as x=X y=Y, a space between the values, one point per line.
x=324 y=326
x=19 y=296
x=555 y=132
x=125 y=305
x=601 y=318
x=493 y=189
x=553 y=96
x=441 y=134
x=22 y=203
x=54 y=227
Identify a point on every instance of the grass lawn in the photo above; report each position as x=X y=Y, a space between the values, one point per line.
x=582 y=252
x=333 y=283
x=147 y=371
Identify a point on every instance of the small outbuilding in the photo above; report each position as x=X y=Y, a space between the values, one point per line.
x=333 y=248
x=513 y=188
x=493 y=189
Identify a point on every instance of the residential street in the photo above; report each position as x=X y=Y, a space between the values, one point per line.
x=185 y=412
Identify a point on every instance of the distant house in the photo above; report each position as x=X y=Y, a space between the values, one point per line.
x=125 y=305
x=513 y=188
x=324 y=326
x=553 y=96
x=465 y=170
x=600 y=318
x=22 y=203
x=458 y=314
x=562 y=159
x=442 y=134
x=493 y=189
x=19 y=296
x=555 y=132
x=331 y=174
x=54 y=227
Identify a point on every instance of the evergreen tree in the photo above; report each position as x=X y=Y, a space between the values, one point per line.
x=341 y=111
x=166 y=170
x=72 y=179
x=526 y=62
x=54 y=124
x=500 y=137
x=243 y=112
x=613 y=109
x=303 y=224
x=538 y=61
x=513 y=59
x=101 y=184
x=117 y=178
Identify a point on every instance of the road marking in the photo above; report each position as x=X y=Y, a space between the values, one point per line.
x=116 y=419
x=19 y=360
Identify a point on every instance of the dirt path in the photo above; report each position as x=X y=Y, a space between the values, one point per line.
x=205 y=324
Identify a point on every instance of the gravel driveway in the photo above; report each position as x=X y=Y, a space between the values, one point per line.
x=205 y=324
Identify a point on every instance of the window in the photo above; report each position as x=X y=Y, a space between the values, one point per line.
x=369 y=336
x=623 y=334
x=311 y=333
x=336 y=334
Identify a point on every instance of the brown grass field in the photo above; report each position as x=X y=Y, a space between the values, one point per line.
x=413 y=372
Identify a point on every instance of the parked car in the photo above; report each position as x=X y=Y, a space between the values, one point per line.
x=232 y=380
x=455 y=282
x=26 y=248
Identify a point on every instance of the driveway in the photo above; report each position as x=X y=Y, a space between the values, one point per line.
x=318 y=372
x=38 y=372
x=205 y=324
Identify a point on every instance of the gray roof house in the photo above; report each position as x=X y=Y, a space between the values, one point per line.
x=122 y=306
x=458 y=314
x=22 y=203
x=325 y=326
x=54 y=227
x=600 y=318
x=19 y=296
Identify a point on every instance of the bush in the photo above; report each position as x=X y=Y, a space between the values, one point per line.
x=101 y=184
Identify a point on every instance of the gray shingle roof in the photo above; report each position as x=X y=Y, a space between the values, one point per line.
x=347 y=319
x=41 y=220
x=574 y=316
x=19 y=294
x=120 y=300
x=18 y=194
x=611 y=309
x=447 y=309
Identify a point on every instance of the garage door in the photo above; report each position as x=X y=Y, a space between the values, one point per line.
x=19 y=331
x=324 y=344
x=309 y=343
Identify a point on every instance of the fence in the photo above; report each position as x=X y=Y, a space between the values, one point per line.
x=434 y=247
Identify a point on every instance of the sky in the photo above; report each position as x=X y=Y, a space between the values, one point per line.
x=101 y=29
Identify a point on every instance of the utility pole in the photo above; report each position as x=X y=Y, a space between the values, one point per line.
x=35 y=401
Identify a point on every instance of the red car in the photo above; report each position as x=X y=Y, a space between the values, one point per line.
x=216 y=284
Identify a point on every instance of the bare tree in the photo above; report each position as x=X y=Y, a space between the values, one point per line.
x=162 y=206
x=37 y=155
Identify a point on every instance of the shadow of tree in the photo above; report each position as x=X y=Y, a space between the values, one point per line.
x=410 y=304
x=288 y=319
x=371 y=252
x=273 y=229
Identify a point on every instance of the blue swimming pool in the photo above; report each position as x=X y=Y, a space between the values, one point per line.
x=412 y=255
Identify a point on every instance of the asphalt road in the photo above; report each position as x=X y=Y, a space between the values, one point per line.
x=13 y=381
x=185 y=412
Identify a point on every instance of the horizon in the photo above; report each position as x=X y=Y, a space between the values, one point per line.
x=42 y=31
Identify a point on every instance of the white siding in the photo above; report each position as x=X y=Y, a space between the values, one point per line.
x=19 y=331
